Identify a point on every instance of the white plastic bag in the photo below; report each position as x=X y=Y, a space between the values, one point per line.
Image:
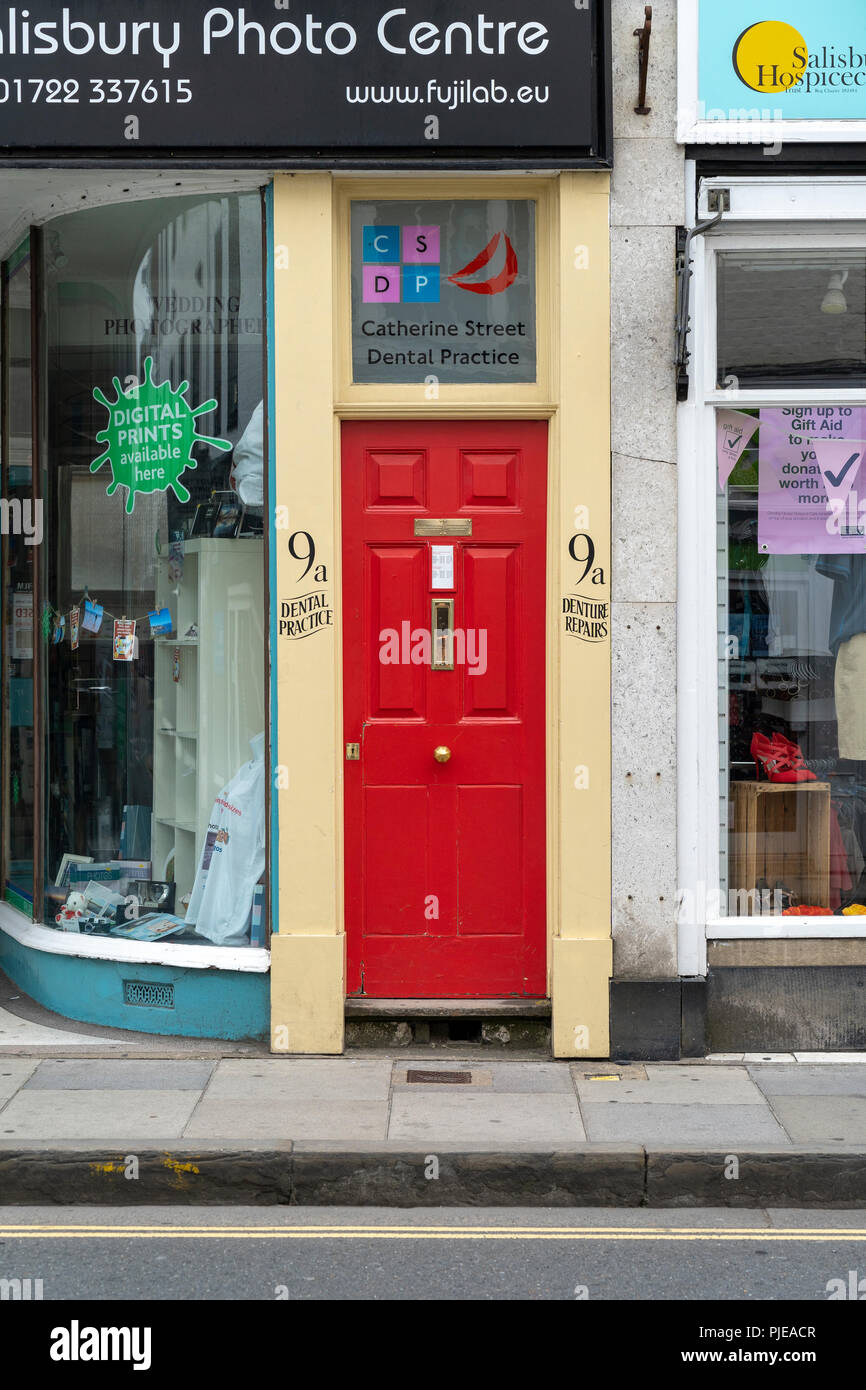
x=248 y=461
x=233 y=855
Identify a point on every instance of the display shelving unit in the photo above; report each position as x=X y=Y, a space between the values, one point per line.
x=204 y=720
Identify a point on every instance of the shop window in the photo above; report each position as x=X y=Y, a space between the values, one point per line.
x=22 y=529
x=152 y=570
x=444 y=292
x=793 y=584
x=796 y=320
x=792 y=649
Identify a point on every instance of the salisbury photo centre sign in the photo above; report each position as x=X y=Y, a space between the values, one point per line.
x=787 y=69
x=418 y=80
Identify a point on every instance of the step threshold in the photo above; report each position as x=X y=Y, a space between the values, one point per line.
x=360 y=1007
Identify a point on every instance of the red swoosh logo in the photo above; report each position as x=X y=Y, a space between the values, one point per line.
x=499 y=282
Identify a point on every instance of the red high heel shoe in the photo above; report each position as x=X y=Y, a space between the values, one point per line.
x=777 y=762
x=794 y=755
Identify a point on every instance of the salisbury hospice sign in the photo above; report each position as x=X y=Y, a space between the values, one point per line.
x=421 y=79
x=793 y=64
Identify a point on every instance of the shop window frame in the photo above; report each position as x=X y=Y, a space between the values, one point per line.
x=454 y=400
x=31 y=930
x=33 y=251
x=693 y=128
x=775 y=214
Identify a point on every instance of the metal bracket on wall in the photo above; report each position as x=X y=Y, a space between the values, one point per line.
x=683 y=320
x=644 y=35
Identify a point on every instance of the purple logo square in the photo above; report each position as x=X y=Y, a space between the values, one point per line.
x=381 y=284
x=421 y=245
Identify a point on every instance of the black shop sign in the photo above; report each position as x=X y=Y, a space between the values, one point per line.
x=331 y=80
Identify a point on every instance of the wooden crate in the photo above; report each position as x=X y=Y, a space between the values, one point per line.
x=781 y=831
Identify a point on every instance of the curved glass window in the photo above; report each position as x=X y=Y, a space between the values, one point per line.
x=152 y=582
x=21 y=528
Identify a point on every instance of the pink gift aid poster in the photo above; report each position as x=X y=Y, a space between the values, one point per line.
x=734 y=431
x=812 y=481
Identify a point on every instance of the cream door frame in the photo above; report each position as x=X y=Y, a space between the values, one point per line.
x=314 y=394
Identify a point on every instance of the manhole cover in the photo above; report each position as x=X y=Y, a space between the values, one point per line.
x=440 y=1078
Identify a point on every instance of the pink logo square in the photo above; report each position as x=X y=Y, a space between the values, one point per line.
x=421 y=245
x=381 y=284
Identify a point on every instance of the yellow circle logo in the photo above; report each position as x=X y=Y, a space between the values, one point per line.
x=770 y=56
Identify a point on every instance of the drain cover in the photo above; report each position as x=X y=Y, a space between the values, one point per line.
x=438 y=1078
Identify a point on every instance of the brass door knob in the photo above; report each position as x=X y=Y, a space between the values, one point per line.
x=442 y=754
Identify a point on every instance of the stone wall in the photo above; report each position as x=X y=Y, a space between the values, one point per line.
x=646 y=208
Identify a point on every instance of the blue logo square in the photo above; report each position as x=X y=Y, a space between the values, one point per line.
x=421 y=284
x=381 y=245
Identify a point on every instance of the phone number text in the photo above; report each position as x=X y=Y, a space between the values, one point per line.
x=111 y=90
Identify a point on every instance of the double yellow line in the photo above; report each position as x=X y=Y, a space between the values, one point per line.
x=765 y=1235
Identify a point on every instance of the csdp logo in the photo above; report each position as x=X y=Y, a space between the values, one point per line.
x=770 y=56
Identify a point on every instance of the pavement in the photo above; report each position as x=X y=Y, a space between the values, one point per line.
x=421 y=1129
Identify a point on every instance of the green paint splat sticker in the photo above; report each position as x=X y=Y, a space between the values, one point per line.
x=150 y=436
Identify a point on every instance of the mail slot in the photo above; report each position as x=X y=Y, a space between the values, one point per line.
x=443 y=526
x=442 y=634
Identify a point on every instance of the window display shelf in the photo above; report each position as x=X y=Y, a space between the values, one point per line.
x=209 y=699
x=254 y=959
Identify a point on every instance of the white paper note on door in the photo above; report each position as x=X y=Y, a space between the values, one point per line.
x=442 y=564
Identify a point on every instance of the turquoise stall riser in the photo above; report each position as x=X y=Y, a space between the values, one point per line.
x=232 y=1005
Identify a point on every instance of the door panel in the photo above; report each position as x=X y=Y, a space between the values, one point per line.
x=445 y=861
x=490 y=860
x=491 y=585
x=396 y=586
x=391 y=896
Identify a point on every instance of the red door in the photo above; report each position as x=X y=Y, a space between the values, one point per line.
x=445 y=859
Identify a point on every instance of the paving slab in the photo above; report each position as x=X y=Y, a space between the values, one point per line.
x=97 y=1116
x=98 y=1075
x=831 y=1058
x=501 y=1119
x=527 y=1077
x=22 y=1032
x=810 y=1080
x=240 y=1120
x=683 y=1124
x=675 y=1086
x=823 y=1119
x=14 y=1071
x=768 y=1057
x=457 y=1146
x=279 y=1079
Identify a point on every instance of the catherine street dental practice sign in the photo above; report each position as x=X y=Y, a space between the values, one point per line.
x=419 y=78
